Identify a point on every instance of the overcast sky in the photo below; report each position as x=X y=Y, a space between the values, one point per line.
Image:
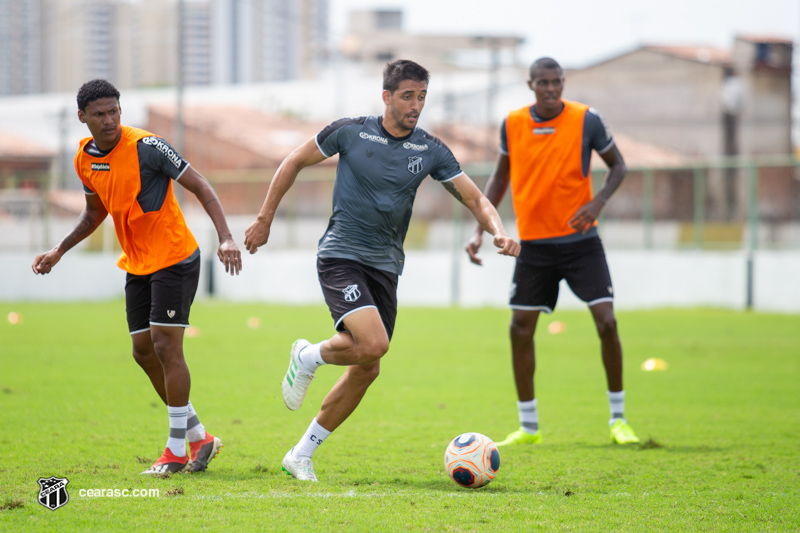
x=580 y=32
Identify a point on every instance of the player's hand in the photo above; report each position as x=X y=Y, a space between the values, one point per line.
x=256 y=236
x=473 y=246
x=585 y=216
x=230 y=256
x=507 y=245
x=45 y=262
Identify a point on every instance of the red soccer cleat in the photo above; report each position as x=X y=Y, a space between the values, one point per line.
x=203 y=451
x=169 y=463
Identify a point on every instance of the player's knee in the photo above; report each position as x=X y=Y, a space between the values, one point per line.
x=521 y=329
x=143 y=352
x=371 y=350
x=369 y=372
x=145 y=358
x=167 y=349
x=606 y=326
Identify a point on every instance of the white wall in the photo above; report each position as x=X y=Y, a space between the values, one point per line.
x=641 y=279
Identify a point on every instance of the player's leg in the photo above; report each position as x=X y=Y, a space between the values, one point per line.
x=145 y=356
x=172 y=292
x=364 y=326
x=589 y=278
x=167 y=343
x=523 y=357
x=363 y=338
x=523 y=351
x=534 y=289
x=137 y=309
x=611 y=347
x=349 y=290
x=345 y=395
x=138 y=304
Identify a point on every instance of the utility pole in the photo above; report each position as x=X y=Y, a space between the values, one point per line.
x=179 y=104
x=491 y=93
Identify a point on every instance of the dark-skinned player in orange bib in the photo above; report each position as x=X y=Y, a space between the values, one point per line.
x=128 y=173
x=545 y=151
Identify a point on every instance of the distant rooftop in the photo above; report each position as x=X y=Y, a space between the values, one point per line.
x=12 y=145
x=703 y=54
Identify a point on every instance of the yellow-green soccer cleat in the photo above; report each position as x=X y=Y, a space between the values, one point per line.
x=521 y=436
x=622 y=433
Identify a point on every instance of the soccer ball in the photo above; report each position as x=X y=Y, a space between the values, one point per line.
x=472 y=460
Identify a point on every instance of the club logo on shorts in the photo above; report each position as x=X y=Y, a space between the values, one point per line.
x=414 y=164
x=53 y=492
x=610 y=290
x=171 y=313
x=513 y=291
x=351 y=293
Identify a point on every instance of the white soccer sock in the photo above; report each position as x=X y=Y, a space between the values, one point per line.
x=177 y=430
x=311 y=358
x=195 y=431
x=616 y=404
x=313 y=437
x=528 y=416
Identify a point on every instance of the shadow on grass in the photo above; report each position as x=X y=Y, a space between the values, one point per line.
x=651 y=444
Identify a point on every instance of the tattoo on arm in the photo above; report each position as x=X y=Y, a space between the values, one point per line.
x=452 y=190
x=85 y=227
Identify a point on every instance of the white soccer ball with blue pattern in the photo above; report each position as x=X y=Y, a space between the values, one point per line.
x=472 y=460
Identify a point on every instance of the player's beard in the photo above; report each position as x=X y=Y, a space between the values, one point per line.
x=401 y=119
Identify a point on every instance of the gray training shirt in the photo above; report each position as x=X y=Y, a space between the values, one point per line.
x=376 y=183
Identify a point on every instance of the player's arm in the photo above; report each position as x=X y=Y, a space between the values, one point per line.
x=584 y=217
x=228 y=252
x=466 y=192
x=305 y=155
x=494 y=191
x=91 y=217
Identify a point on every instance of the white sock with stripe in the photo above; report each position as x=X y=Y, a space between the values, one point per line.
x=616 y=404
x=177 y=429
x=528 y=416
x=195 y=431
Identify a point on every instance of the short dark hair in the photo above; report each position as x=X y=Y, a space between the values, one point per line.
x=94 y=90
x=544 y=63
x=400 y=70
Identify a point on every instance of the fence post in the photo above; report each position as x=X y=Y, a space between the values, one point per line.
x=455 y=265
x=752 y=228
x=699 y=206
x=647 y=207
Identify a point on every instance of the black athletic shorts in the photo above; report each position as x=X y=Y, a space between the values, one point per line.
x=540 y=268
x=164 y=297
x=349 y=286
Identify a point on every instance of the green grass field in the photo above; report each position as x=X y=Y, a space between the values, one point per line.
x=722 y=425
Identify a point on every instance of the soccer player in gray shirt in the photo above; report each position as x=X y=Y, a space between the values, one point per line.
x=382 y=161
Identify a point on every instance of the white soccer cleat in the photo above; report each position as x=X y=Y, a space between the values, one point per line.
x=295 y=382
x=302 y=470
